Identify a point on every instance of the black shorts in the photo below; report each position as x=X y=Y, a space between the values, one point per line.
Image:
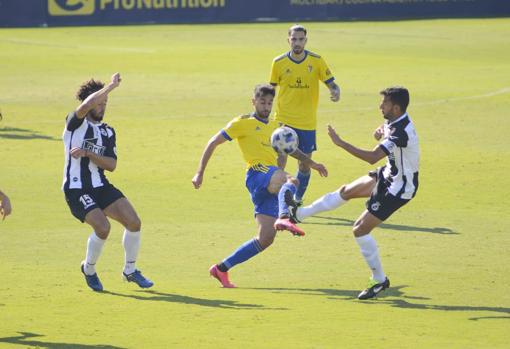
x=382 y=203
x=82 y=201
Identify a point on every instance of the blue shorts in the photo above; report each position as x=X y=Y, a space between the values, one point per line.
x=307 y=140
x=257 y=181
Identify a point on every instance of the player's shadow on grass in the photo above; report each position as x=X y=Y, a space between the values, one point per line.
x=150 y=295
x=23 y=133
x=26 y=341
x=349 y=223
x=396 y=298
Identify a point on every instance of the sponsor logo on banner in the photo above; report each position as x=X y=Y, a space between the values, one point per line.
x=71 y=7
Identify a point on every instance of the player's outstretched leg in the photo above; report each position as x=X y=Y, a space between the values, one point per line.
x=327 y=202
x=284 y=221
x=221 y=276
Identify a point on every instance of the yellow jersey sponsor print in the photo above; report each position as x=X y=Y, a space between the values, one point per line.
x=298 y=94
x=254 y=138
x=71 y=7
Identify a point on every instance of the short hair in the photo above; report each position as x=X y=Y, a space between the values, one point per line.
x=264 y=90
x=398 y=95
x=297 y=28
x=88 y=88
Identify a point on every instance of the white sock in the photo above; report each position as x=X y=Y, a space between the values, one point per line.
x=131 y=242
x=369 y=250
x=327 y=202
x=94 y=248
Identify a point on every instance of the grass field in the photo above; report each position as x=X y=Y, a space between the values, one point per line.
x=446 y=253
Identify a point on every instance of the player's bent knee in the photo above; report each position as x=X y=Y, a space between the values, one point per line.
x=266 y=242
x=343 y=191
x=102 y=229
x=293 y=180
x=134 y=224
x=358 y=229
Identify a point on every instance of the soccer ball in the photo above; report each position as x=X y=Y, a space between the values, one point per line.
x=284 y=140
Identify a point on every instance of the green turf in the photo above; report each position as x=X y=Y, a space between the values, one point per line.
x=446 y=253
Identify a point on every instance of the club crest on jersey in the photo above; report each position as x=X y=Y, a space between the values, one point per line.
x=90 y=145
x=310 y=68
x=375 y=206
x=103 y=132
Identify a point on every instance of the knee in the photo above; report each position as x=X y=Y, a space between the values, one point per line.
x=344 y=193
x=293 y=180
x=102 y=229
x=358 y=229
x=134 y=224
x=266 y=241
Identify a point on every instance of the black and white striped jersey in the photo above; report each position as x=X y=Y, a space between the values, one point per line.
x=400 y=143
x=98 y=138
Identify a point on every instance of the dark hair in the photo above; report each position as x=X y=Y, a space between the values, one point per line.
x=297 y=28
x=398 y=95
x=263 y=90
x=88 y=88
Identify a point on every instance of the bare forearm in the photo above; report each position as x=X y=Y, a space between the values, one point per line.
x=299 y=155
x=105 y=162
x=206 y=156
x=365 y=155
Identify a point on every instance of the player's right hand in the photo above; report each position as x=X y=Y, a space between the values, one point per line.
x=197 y=180
x=378 y=133
x=323 y=171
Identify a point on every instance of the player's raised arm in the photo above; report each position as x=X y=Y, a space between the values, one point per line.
x=370 y=156
x=298 y=154
x=97 y=97
x=5 y=205
x=216 y=140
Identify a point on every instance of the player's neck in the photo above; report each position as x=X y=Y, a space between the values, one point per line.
x=297 y=57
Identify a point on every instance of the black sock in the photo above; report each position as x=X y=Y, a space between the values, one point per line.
x=222 y=267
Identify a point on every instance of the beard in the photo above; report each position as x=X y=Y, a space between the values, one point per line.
x=96 y=116
x=298 y=50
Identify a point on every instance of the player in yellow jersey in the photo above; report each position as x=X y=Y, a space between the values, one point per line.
x=297 y=74
x=268 y=184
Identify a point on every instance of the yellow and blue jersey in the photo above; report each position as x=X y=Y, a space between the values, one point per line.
x=253 y=135
x=298 y=95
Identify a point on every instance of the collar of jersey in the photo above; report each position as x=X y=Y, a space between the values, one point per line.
x=399 y=119
x=298 y=62
x=259 y=119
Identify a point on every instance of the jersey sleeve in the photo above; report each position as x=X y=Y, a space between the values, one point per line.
x=398 y=139
x=111 y=145
x=325 y=73
x=233 y=130
x=273 y=79
x=73 y=122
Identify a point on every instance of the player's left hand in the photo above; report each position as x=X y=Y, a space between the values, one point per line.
x=334 y=136
x=335 y=94
x=323 y=171
x=78 y=152
x=5 y=207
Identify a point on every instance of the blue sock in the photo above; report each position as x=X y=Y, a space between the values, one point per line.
x=303 y=178
x=243 y=253
x=283 y=208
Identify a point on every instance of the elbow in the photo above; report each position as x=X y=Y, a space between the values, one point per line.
x=372 y=161
x=112 y=166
